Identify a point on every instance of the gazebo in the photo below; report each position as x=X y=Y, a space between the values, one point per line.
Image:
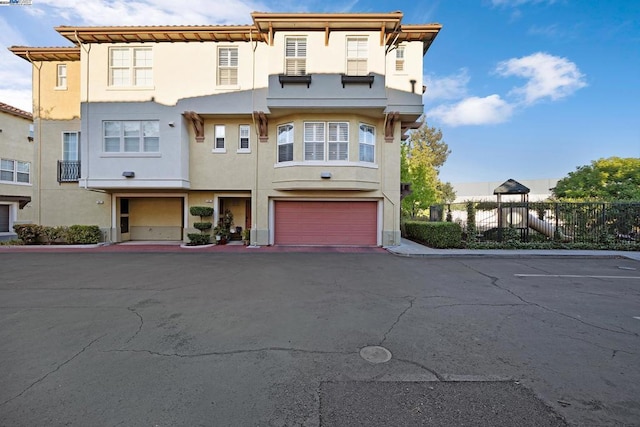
x=516 y=214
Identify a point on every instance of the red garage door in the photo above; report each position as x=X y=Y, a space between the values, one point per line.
x=326 y=223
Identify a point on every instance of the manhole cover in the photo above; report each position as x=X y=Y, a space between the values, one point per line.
x=375 y=354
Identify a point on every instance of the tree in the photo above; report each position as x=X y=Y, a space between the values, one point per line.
x=610 y=179
x=422 y=156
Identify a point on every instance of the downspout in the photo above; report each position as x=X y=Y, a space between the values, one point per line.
x=254 y=218
x=75 y=33
x=384 y=127
x=38 y=110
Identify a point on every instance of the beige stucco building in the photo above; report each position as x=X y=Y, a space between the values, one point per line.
x=16 y=175
x=292 y=123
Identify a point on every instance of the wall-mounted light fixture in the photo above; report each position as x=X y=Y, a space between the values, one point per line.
x=325 y=175
x=100 y=202
x=128 y=174
x=171 y=124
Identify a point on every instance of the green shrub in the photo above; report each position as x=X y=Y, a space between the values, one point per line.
x=202 y=225
x=83 y=234
x=51 y=234
x=28 y=233
x=201 y=211
x=196 y=239
x=435 y=234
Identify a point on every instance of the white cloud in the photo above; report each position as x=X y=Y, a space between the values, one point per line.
x=453 y=86
x=473 y=111
x=150 y=12
x=548 y=76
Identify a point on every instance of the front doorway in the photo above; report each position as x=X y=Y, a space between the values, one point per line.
x=240 y=209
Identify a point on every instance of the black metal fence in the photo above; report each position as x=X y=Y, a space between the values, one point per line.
x=68 y=171
x=599 y=223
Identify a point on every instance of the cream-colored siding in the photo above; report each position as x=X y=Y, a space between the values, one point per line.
x=185 y=70
x=51 y=102
x=16 y=146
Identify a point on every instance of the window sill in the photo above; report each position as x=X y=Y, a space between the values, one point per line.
x=60 y=88
x=142 y=155
x=219 y=150
x=23 y=184
x=330 y=163
x=244 y=151
x=131 y=88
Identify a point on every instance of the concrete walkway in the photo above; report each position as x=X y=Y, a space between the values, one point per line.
x=413 y=249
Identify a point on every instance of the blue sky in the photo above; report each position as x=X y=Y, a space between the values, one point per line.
x=522 y=89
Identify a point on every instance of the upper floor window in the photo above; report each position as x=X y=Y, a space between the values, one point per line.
x=314 y=141
x=295 y=56
x=227 y=66
x=70 y=146
x=285 y=143
x=367 y=143
x=219 y=136
x=131 y=66
x=131 y=136
x=357 y=53
x=326 y=141
x=338 y=141
x=243 y=138
x=61 y=76
x=400 y=58
x=15 y=171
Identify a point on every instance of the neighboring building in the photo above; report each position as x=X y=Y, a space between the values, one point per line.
x=483 y=191
x=16 y=175
x=292 y=123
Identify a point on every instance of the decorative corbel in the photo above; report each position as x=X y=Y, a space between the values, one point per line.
x=263 y=125
x=198 y=124
x=406 y=126
x=390 y=124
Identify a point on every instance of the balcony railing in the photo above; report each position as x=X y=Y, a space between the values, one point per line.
x=68 y=170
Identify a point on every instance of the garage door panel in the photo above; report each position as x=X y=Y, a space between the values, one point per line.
x=326 y=223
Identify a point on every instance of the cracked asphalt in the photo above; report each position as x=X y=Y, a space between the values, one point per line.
x=165 y=339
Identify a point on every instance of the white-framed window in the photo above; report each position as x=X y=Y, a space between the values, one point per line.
x=314 y=138
x=367 y=143
x=70 y=146
x=295 y=56
x=328 y=141
x=400 y=58
x=219 y=139
x=357 y=53
x=227 y=66
x=244 y=143
x=129 y=136
x=15 y=171
x=338 y=141
x=131 y=67
x=61 y=76
x=285 y=143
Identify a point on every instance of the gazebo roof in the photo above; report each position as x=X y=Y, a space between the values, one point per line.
x=511 y=186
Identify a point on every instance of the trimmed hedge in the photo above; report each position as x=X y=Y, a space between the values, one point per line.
x=201 y=211
x=83 y=234
x=196 y=239
x=442 y=235
x=202 y=225
x=33 y=234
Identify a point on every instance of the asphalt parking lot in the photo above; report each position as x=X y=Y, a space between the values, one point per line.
x=166 y=339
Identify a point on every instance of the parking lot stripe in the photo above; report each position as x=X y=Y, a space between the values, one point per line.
x=577 y=276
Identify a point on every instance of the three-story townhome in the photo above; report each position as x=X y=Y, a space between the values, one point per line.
x=293 y=124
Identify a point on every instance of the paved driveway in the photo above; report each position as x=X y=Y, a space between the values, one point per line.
x=274 y=339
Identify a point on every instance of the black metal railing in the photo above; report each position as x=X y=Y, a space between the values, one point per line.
x=543 y=221
x=68 y=170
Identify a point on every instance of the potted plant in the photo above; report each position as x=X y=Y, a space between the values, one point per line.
x=201 y=238
x=246 y=236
